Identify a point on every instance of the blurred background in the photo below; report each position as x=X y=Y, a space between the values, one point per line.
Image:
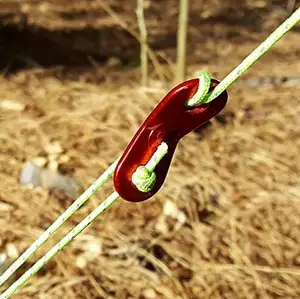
x=77 y=80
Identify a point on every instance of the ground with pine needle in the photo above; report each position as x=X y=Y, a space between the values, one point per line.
x=226 y=223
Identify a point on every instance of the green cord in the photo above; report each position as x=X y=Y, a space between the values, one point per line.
x=200 y=95
x=144 y=178
x=60 y=245
x=273 y=38
x=59 y=222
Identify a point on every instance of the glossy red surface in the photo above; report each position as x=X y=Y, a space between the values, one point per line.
x=168 y=122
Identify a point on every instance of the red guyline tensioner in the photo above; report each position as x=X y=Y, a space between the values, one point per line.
x=168 y=122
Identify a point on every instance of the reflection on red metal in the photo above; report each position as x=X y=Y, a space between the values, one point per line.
x=168 y=122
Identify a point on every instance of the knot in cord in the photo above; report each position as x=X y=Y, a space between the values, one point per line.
x=144 y=179
x=144 y=176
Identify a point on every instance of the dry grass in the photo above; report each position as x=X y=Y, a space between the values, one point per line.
x=233 y=188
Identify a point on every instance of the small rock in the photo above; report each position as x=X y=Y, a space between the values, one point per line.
x=30 y=175
x=36 y=176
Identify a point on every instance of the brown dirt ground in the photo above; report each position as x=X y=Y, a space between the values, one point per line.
x=235 y=184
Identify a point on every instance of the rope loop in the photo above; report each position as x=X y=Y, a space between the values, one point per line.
x=200 y=97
